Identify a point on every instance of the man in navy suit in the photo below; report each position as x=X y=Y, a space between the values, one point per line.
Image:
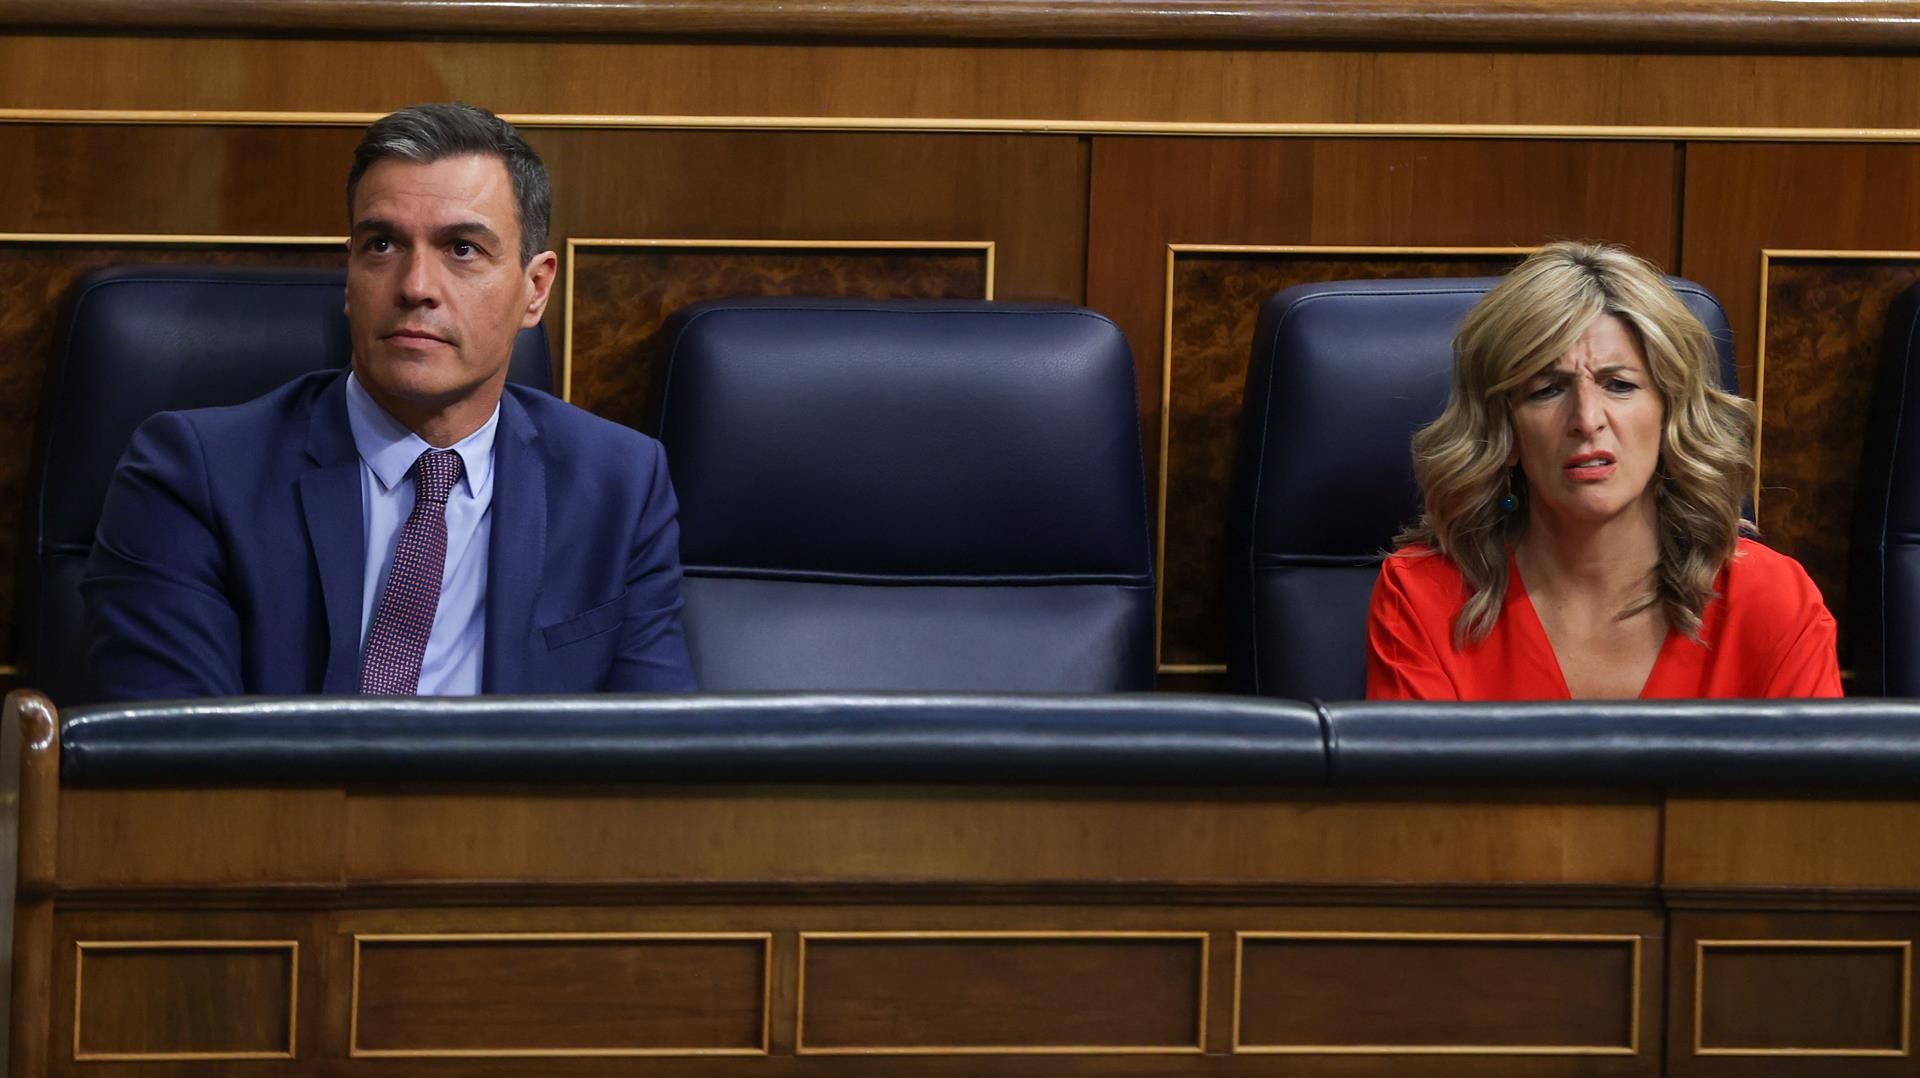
x=413 y=524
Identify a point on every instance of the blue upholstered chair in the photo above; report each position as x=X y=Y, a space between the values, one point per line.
x=1884 y=612
x=908 y=495
x=1342 y=373
x=141 y=340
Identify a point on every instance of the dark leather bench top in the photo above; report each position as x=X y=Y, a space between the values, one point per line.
x=1777 y=745
x=1122 y=739
x=873 y=738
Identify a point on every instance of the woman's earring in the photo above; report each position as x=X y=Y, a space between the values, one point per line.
x=1508 y=503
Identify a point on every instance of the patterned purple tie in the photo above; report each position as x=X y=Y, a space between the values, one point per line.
x=401 y=623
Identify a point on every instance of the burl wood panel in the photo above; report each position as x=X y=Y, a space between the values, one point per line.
x=1061 y=994
x=1216 y=301
x=225 y=1001
x=1825 y=318
x=623 y=295
x=555 y=996
x=1829 y=998
x=35 y=279
x=1545 y=995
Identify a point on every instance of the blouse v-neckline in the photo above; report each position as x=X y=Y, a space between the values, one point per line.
x=1520 y=606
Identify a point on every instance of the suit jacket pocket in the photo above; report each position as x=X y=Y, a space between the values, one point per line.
x=601 y=619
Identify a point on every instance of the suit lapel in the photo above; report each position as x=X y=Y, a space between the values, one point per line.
x=516 y=553
x=330 y=500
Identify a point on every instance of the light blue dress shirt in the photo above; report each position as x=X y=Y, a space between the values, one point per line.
x=387 y=450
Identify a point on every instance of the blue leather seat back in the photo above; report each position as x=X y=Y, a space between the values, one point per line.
x=908 y=495
x=141 y=340
x=1342 y=374
x=1884 y=613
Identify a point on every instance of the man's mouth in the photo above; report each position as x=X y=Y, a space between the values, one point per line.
x=404 y=336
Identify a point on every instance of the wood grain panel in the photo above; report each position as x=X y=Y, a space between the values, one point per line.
x=1387 y=993
x=619 y=297
x=1864 y=24
x=941 y=995
x=200 y=837
x=1217 y=298
x=137 y=1000
x=560 y=995
x=1838 y=844
x=989 y=836
x=1801 y=997
x=36 y=278
x=1767 y=993
x=1825 y=316
x=1038 y=83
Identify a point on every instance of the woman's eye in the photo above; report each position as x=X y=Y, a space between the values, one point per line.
x=1546 y=392
x=1621 y=385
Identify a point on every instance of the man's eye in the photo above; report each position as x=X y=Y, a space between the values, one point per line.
x=463 y=249
x=378 y=245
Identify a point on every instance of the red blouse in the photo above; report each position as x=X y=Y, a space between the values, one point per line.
x=1766 y=634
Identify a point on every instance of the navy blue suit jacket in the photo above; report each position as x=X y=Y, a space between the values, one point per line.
x=230 y=555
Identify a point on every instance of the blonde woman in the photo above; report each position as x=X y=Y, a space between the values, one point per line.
x=1582 y=532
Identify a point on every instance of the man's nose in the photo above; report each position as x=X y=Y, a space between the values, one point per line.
x=419 y=279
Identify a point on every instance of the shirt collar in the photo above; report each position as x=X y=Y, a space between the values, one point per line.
x=389 y=449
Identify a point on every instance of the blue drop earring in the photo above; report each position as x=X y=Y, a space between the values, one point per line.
x=1508 y=503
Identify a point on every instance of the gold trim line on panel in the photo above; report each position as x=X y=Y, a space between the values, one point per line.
x=1174 y=251
x=985 y=247
x=800 y=1002
x=1905 y=947
x=990 y=125
x=161 y=239
x=81 y=947
x=354 y=1051
x=1767 y=255
x=1634 y=1001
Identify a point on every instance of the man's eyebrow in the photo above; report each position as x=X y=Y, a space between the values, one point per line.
x=372 y=224
x=473 y=229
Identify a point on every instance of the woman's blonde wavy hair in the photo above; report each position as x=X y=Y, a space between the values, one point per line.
x=1521 y=328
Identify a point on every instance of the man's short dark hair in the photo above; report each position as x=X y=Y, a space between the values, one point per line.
x=424 y=134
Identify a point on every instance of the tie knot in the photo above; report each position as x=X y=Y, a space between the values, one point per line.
x=434 y=474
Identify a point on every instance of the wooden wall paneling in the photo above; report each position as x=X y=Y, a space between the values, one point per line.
x=1039 y=87
x=1400 y=200
x=1446 y=994
x=986 y=993
x=619 y=294
x=159 y=1000
x=560 y=994
x=1865 y=24
x=37 y=272
x=1776 y=994
x=1810 y=845
x=857 y=215
x=1805 y=246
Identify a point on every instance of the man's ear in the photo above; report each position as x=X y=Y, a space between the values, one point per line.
x=540 y=273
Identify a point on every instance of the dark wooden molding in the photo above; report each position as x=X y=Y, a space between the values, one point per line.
x=1878 y=26
x=1085 y=895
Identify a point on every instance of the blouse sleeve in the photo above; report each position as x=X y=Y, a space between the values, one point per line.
x=1403 y=662
x=1807 y=665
